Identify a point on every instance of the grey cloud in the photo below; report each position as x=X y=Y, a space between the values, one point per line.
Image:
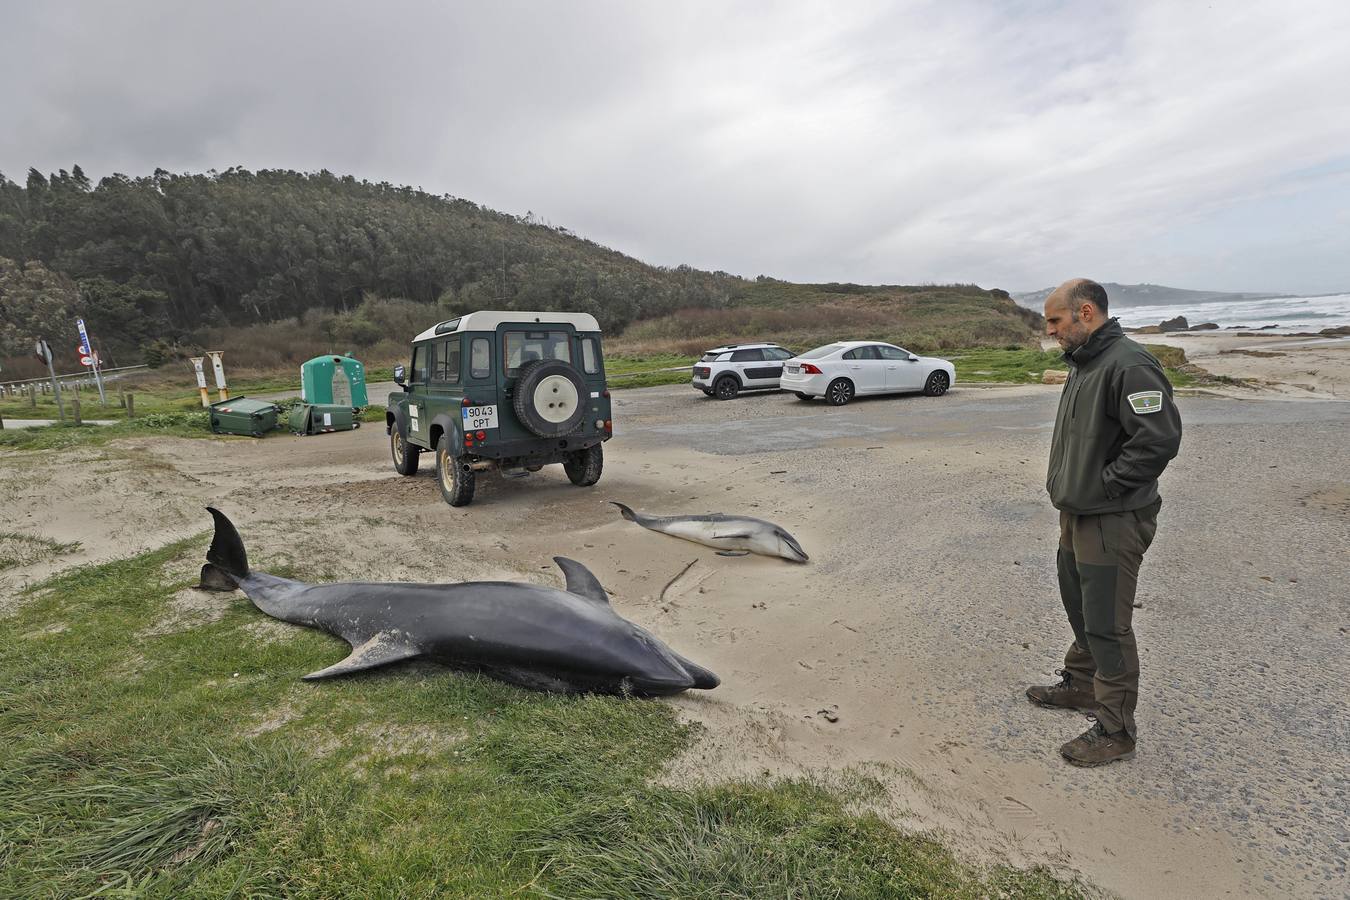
x=923 y=141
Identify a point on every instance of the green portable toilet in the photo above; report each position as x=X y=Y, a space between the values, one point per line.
x=240 y=415
x=334 y=380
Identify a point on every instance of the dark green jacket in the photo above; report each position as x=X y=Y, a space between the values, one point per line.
x=1116 y=429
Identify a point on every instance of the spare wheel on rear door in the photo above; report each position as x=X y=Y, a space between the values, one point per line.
x=550 y=398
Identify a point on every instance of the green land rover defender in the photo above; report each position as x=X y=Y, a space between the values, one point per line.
x=514 y=391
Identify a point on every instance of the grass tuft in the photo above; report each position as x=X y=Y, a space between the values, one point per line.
x=18 y=549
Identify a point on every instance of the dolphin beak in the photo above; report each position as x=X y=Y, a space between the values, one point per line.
x=791 y=549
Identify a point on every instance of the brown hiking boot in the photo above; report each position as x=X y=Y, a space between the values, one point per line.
x=1095 y=747
x=1068 y=694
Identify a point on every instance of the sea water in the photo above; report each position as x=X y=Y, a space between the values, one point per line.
x=1287 y=313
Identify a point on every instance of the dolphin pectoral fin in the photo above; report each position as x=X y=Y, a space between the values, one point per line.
x=733 y=552
x=380 y=650
x=581 y=581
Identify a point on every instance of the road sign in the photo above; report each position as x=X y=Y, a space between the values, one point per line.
x=90 y=360
x=84 y=338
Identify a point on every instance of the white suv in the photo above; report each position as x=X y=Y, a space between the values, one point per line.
x=725 y=372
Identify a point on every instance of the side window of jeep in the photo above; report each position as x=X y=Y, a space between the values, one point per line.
x=480 y=358
x=447 y=362
x=419 y=364
x=590 y=359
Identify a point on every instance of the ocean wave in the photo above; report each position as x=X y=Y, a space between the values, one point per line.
x=1289 y=313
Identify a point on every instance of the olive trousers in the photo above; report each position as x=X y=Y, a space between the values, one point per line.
x=1098 y=563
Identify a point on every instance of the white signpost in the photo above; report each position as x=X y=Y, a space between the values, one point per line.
x=201 y=380
x=87 y=353
x=219 y=369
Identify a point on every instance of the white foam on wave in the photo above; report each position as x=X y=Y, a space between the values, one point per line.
x=1289 y=313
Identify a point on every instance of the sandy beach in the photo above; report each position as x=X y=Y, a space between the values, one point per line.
x=904 y=646
x=1293 y=367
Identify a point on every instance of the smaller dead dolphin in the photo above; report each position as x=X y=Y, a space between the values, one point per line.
x=724 y=533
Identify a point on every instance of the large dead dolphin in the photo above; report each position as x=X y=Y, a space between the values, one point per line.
x=564 y=641
x=725 y=533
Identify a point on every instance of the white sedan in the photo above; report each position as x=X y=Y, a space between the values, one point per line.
x=839 y=372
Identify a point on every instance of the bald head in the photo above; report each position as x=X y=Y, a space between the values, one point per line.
x=1073 y=311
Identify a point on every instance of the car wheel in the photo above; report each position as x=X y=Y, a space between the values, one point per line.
x=801 y=396
x=726 y=388
x=937 y=384
x=707 y=393
x=405 y=454
x=839 y=392
x=454 y=476
x=583 y=467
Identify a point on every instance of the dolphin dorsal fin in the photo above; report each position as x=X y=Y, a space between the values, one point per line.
x=581 y=581
x=385 y=647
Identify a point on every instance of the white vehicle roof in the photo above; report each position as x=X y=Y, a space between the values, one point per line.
x=729 y=347
x=489 y=319
x=849 y=345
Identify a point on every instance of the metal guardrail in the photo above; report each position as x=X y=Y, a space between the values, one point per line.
x=43 y=384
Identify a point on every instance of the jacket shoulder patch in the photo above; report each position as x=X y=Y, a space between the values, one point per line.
x=1145 y=402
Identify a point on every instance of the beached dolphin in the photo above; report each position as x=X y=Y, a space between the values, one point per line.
x=725 y=533
x=563 y=641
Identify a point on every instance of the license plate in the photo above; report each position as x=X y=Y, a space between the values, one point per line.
x=794 y=369
x=479 y=418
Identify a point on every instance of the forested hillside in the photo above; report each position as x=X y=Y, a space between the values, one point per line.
x=160 y=256
x=276 y=266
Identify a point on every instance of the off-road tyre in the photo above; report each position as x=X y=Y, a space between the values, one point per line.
x=454 y=476
x=549 y=398
x=937 y=384
x=405 y=454
x=839 y=392
x=726 y=388
x=583 y=467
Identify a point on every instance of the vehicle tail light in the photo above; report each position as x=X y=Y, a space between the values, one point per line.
x=605 y=393
x=468 y=442
x=466 y=402
x=482 y=435
x=810 y=369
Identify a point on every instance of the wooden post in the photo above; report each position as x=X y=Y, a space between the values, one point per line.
x=32 y=395
x=122 y=399
x=76 y=402
x=131 y=406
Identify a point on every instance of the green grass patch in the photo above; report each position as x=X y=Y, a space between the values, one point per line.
x=1015 y=366
x=18 y=549
x=57 y=437
x=180 y=760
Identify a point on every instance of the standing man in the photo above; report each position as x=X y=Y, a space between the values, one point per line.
x=1115 y=432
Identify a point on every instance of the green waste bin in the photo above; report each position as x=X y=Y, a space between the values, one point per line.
x=336 y=380
x=240 y=415
x=317 y=418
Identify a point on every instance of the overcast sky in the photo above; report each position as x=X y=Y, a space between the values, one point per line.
x=1009 y=144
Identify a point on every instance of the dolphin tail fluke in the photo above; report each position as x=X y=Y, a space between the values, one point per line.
x=382 y=649
x=626 y=511
x=226 y=561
